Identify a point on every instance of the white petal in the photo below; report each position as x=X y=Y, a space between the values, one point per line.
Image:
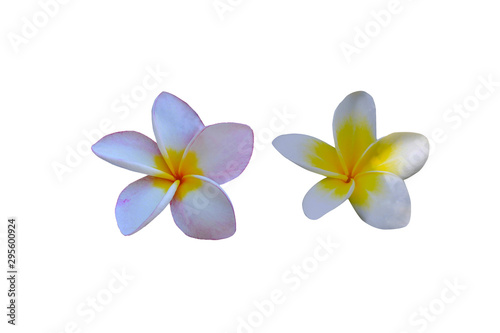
x=174 y=125
x=402 y=154
x=133 y=151
x=141 y=201
x=325 y=196
x=354 y=127
x=310 y=153
x=201 y=209
x=381 y=200
x=220 y=152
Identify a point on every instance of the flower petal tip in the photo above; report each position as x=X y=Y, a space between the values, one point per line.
x=310 y=215
x=220 y=236
x=402 y=224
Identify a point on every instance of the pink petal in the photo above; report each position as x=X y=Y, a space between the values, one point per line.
x=202 y=210
x=141 y=201
x=220 y=152
x=133 y=151
x=174 y=125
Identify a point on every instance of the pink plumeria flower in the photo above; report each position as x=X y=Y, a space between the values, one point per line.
x=368 y=172
x=185 y=167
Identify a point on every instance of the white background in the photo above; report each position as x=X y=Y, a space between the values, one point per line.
x=259 y=59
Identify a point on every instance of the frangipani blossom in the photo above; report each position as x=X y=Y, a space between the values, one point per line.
x=184 y=167
x=368 y=172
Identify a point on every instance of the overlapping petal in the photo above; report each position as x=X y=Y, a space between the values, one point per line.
x=220 y=152
x=311 y=154
x=141 y=201
x=201 y=209
x=133 y=151
x=381 y=200
x=368 y=172
x=402 y=154
x=354 y=127
x=325 y=196
x=217 y=153
x=175 y=123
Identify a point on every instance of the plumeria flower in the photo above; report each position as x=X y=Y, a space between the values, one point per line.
x=368 y=172
x=185 y=167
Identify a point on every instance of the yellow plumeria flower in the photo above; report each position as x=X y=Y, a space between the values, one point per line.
x=368 y=172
